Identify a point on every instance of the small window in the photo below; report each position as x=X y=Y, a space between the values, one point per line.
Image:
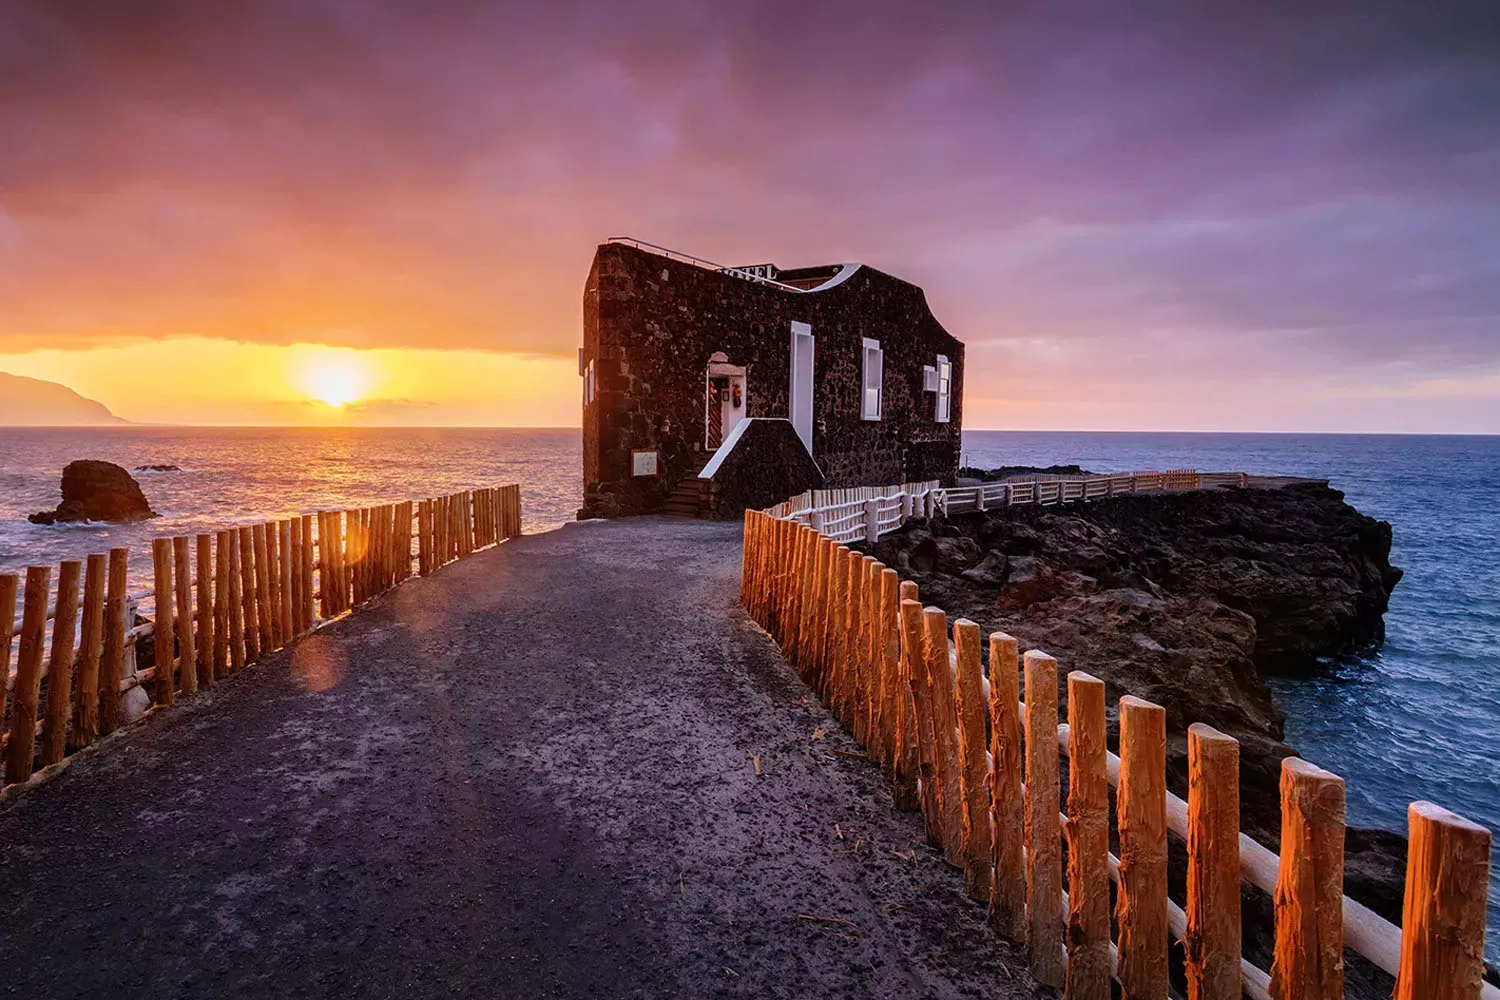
x=929 y=378
x=588 y=384
x=874 y=377
x=944 y=389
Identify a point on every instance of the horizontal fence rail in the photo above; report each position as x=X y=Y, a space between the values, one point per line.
x=979 y=755
x=221 y=600
x=865 y=513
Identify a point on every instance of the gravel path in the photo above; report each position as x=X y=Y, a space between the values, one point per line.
x=529 y=775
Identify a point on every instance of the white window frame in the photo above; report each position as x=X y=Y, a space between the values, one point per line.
x=944 y=390
x=588 y=384
x=871 y=397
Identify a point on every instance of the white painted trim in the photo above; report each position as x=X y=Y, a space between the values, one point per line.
x=733 y=439
x=846 y=271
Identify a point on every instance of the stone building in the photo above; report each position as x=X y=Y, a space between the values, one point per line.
x=707 y=389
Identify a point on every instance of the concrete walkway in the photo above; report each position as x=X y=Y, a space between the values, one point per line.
x=527 y=776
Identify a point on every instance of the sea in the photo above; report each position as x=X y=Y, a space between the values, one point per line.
x=1416 y=719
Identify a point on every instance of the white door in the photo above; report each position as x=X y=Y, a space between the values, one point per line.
x=802 y=383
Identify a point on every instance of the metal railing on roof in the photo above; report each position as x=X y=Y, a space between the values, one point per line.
x=688 y=258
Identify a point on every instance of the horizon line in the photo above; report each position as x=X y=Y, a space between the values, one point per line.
x=128 y=425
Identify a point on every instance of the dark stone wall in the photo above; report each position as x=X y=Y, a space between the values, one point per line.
x=767 y=464
x=651 y=324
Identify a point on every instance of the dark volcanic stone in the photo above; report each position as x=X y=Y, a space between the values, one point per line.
x=97 y=491
x=1187 y=600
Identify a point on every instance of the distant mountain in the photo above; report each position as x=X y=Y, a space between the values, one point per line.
x=31 y=402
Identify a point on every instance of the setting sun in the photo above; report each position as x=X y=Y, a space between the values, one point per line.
x=336 y=378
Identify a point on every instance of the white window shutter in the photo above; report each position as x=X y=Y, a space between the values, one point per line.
x=873 y=380
x=944 y=390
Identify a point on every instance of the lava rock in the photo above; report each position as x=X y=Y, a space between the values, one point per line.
x=1187 y=600
x=97 y=491
x=991 y=569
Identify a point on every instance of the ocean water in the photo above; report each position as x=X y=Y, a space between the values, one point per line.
x=243 y=475
x=1418 y=719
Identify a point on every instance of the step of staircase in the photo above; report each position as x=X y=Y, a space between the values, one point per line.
x=683 y=501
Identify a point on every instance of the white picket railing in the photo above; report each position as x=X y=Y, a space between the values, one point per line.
x=865 y=513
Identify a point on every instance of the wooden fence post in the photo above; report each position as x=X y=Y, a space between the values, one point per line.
x=914 y=646
x=272 y=611
x=978 y=845
x=889 y=659
x=222 y=639
x=846 y=680
x=907 y=760
x=833 y=646
x=187 y=679
x=19 y=755
x=1088 y=840
x=825 y=552
x=295 y=524
x=349 y=581
x=90 y=651
x=284 y=595
x=1008 y=892
x=1447 y=876
x=207 y=637
x=307 y=572
x=244 y=554
x=945 y=726
x=1309 y=963
x=9 y=585
x=875 y=695
x=407 y=513
x=1212 y=946
x=869 y=681
x=794 y=583
x=1044 y=938
x=163 y=632
x=424 y=539
x=1141 y=801
x=60 y=664
x=234 y=607
x=112 y=667
x=263 y=608
x=872 y=520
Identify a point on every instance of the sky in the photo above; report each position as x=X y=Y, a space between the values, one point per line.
x=1196 y=216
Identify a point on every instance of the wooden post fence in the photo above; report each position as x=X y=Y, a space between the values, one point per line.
x=221 y=601
x=888 y=673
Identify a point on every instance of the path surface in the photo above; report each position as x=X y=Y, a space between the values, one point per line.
x=526 y=776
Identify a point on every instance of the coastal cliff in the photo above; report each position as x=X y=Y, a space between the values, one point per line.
x=1188 y=600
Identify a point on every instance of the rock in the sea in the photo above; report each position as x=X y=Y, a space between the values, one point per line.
x=97 y=491
x=157 y=468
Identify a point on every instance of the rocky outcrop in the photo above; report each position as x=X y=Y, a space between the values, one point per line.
x=1188 y=600
x=160 y=467
x=97 y=491
x=1019 y=471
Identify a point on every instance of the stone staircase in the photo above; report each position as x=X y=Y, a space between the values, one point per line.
x=686 y=498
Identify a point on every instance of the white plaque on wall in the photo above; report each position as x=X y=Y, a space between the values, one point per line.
x=643 y=463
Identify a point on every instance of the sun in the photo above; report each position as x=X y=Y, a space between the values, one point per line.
x=336 y=378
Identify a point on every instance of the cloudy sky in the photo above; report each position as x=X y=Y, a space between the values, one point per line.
x=1269 y=216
